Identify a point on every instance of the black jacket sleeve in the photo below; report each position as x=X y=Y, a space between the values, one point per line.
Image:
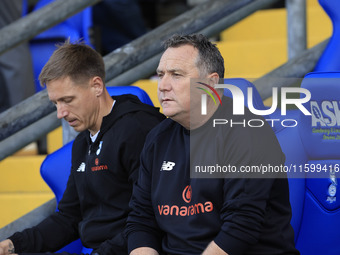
x=56 y=230
x=142 y=229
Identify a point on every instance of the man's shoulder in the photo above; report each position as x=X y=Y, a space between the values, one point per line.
x=81 y=137
x=166 y=125
x=129 y=114
x=130 y=104
x=137 y=118
x=166 y=128
x=80 y=143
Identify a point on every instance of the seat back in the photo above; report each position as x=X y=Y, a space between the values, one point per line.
x=24 y=9
x=75 y=27
x=55 y=169
x=244 y=84
x=312 y=149
x=330 y=58
x=44 y=44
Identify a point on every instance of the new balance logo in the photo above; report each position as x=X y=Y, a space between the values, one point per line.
x=167 y=166
x=81 y=168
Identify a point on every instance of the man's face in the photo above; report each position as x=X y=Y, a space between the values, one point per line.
x=77 y=104
x=176 y=68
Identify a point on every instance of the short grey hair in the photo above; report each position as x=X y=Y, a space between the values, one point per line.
x=209 y=59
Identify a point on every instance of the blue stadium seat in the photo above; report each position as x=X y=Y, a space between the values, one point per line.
x=314 y=146
x=244 y=85
x=42 y=46
x=24 y=10
x=56 y=167
x=330 y=59
x=316 y=212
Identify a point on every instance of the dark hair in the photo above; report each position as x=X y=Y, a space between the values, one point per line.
x=209 y=59
x=75 y=60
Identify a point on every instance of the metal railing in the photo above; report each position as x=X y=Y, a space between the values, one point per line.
x=296 y=27
x=28 y=220
x=32 y=24
x=210 y=18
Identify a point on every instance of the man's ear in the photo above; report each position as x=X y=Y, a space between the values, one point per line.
x=213 y=78
x=98 y=85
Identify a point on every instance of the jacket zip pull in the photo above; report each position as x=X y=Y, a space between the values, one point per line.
x=90 y=149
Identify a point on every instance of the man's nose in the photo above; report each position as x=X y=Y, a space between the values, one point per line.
x=164 y=84
x=61 y=111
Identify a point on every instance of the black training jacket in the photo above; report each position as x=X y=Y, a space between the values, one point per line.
x=179 y=211
x=94 y=206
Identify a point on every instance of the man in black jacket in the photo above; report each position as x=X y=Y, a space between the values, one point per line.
x=105 y=156
x=233 y=214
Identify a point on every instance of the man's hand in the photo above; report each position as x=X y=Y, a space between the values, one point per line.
x=6 y=247
x=142 y=251
x=213 y=249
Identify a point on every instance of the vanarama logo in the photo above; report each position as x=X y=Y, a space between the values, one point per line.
x=187 y=194
x=98 y=167
x=186 y=210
